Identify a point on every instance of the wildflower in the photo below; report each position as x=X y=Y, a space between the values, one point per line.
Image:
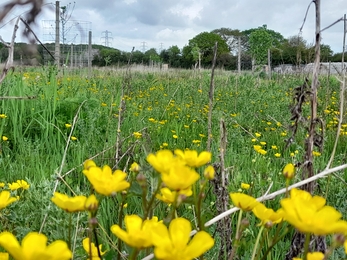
x=262 y=151
x=4 y=138
x=6 y=199
x=284 y=134
x=68 y=125
x=4 y=256
x=257 y=135
x=135 y=167
x=315 y=153
x=312 y=256
x=180 y=177
x=196 y=141
x=138 y=233
x=278 y=124
x=90 y=247
x=165 y=144
x=277 y=155
x=137 y=135
x=73 y=138
x=243 y=201
x=152 y=120
x=162 y=160
x=173 y=242
x=2 y=184
x=91 y=203
x=175 y=136
x=104 y=181
x=310 y=214
x=289 y=171
x=69 y=204
x=209 y=172
x=292 y=154
x=19 y=184
x=245 y=186
x=202 y=135
x=34 y=246
x=267 y=216
x=274 y=147
x=103 y=104
x=3 y=116
x=168 y=196
x=256 y=147
x=88 y=163
x=254 y=140
x=263 y=143
x=192 y=158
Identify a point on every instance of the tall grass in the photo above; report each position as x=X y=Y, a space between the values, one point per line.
x=171 y=111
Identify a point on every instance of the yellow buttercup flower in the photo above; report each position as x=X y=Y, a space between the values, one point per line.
x=310 y=215
x=289 y=171
x=91 y=203
x=257 y=135
x=68 y=125
x=104 y=181
x=243 y=201
x=137 y=135
x=135 y=167
x=4 y=138
x=88 y=163
x=138 y=233
x=162 y=160
x=245 y=186
x=91 y=248
x=173 y=242
x=315 y=153
x=180 y=177
x=3 y=116
x=69 y=204
x=73 y=138
x=4 y=256
x=34 y=247
x=2 y=184
x=6 y=199
x=209 y=172
x=19 y=184
x=267 y=216
x=312 y=256
x=168 y=196
x=192 y=158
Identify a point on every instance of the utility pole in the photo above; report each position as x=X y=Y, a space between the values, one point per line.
x=144 y=46
x=161 y=47
x=239 y=56
x=107 y=38
x=57 y=34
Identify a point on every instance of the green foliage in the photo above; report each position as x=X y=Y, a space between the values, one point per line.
x=260 y=40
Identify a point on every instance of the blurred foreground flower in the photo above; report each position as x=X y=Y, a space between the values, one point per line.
x=192 y=158
x=209 y=172
x=34 y=247
x=312 y=256
x=243 y=201
x=138 y=233
x=135 y=167
x=310 y=214
x=4 y=138
x=173 y=242
x=267 y=216
x=4 y=256
x=69 y=204
x=91 y=248
x=6 y=199
x=103 y=180
x=168 y=196
x=289 y=171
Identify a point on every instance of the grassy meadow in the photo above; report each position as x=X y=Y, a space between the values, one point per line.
x=118 y=117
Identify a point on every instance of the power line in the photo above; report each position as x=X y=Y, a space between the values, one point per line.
x=107 y=36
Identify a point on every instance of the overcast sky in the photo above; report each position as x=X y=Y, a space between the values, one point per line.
x=164 y=23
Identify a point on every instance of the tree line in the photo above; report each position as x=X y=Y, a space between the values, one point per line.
x=253 y=44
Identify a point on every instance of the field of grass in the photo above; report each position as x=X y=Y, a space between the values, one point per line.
x=118 y=118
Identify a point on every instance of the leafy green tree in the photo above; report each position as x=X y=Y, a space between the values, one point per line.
x=174 y=54
x=151 y=55
x=205 y=42
x=260 y=41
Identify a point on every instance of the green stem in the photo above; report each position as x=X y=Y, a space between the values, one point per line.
x=306 y=245
x=237 y=236
x=257 y=242
x=69 y=230
x=120 y=223
x=150 y=203
x=198 y=206
x=134 y=254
